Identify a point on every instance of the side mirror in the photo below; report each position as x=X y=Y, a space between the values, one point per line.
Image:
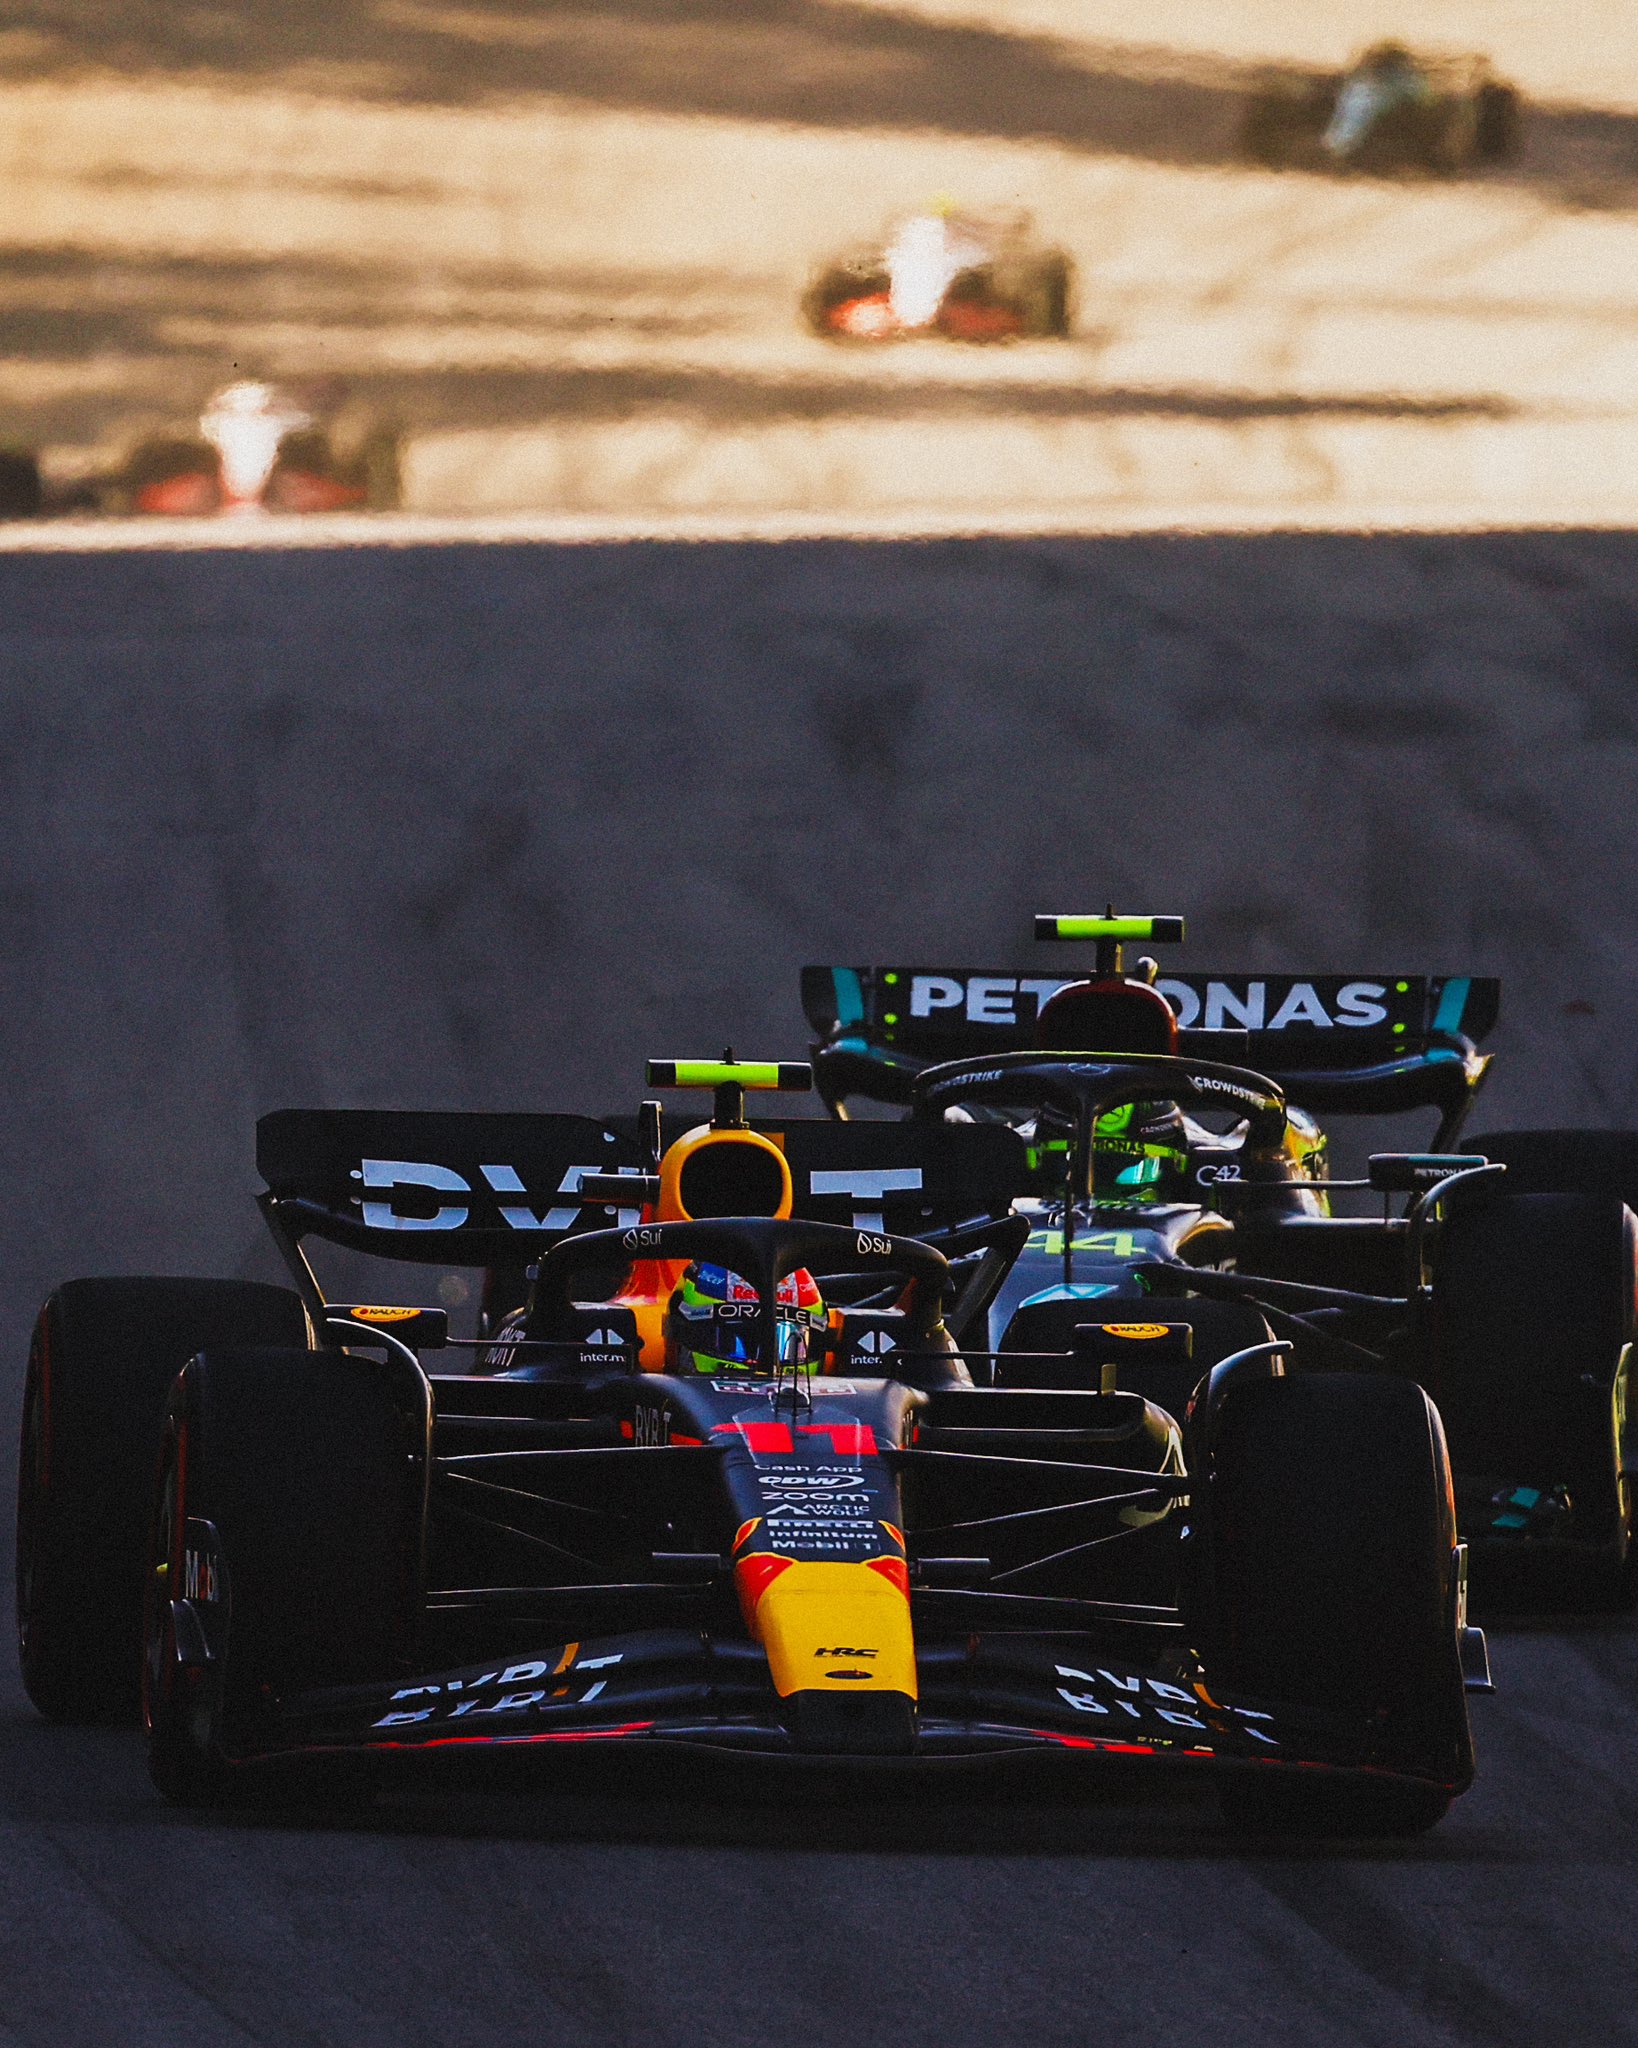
x=422 y=1329
x=1414 y=1173
x=1106 y=1347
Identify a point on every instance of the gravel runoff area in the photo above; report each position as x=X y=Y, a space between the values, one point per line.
x=564 y=251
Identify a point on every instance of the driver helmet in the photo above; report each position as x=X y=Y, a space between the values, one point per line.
x=713 y=1322
x=1140 y=1151
x=245 y=423
x=1387 y=60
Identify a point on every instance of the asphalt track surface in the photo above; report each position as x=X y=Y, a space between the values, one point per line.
x=604 y=1915
x=478 y=827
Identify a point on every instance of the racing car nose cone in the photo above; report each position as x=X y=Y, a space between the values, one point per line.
x=852 y=1724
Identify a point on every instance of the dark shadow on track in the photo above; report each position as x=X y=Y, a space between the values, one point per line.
x=66 y=306
x=663 y=1799
x=816 y=63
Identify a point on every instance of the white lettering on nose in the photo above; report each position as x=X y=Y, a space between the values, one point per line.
x=865 y=1182
x=930 y=992
x=990 y=999
x=387 y=1174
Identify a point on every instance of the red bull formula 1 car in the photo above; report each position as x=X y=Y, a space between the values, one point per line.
x=1505 y=1284
x=727 y=1481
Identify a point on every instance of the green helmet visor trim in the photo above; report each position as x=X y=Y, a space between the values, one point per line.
x=1049 y=1155
x=707 y=1342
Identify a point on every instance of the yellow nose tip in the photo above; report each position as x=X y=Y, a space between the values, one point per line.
x=831 y=1627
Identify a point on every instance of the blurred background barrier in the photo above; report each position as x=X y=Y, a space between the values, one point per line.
x=481 y=826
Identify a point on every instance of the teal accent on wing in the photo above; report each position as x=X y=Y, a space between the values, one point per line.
x=883 y=1055
x=850 y=1004
x=1077 y=1290
x=1452 y=1003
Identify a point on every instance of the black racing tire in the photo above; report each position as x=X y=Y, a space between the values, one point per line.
x=22 y=494
x=1450 y=143
x=1498 y=123
x=1330 y=1581
x=102 y=1360
x=1564 y=1162
x=157 y=460
x=1045 y=296
x=363 y=465
x=833 y=287
x=1535 y=1302
x=303 y=1476
x=381 y=470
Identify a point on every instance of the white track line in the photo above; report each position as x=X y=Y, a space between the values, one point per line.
x=413 y=530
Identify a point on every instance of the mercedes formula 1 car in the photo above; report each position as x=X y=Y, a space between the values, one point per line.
x=962 y=276
x=1391 y=110
x=1505 y=1285
x=729 y=1480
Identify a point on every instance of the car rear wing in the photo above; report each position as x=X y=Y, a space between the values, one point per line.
x=438 y=1187
x=1316 y=1020
x=1362 y=1042
x=452 y=1188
